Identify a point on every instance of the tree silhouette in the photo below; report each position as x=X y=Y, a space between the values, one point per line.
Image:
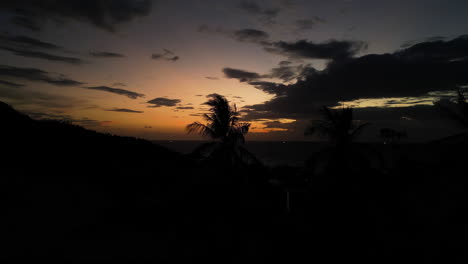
x=226 y=132
x=392 y=136
x=342 y=157
x=337 y=125
x=456 y=111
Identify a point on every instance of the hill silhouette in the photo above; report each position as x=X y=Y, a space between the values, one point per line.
x=76 y=195
x=73 y=195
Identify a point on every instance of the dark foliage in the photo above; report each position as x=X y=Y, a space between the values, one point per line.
x=227 y=134
x=77 y=196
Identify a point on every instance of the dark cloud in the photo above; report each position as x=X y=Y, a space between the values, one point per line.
x=33 y=74
x=184 y=107
x=270 y=87
x=166 y=55
x=410 y=43
x=129 y=94
x=27 y=42
x=241 y=75
x=199 y=95
x=285 y=73
x=161 y=101
x=34 y=48
x=250 y=35
x=124 y=110
x=156 y=56
x=10 y=84
x=168 y=51
x=26 y=97
x=413 y=72
x=264 y=14
x=106 y=54
x=212 y=78
x=243 y=35
x=288 y=73
x=104 y=14
x=437 y=51
x=43 y=55
x=333 y=49
x=305 y=24
x=417 y=112
x=28 y=23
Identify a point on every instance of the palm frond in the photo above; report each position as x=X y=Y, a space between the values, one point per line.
x=222 y=125
x=197 y=127
x=205 y=149
x=247 y=157
x=338 y=125
x=358 y=130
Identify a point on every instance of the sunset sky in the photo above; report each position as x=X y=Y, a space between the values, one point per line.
x=144 y=68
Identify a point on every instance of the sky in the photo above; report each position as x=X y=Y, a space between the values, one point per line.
x=144 y=68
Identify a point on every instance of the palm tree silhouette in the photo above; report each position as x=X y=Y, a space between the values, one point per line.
x=456 y=111
x=343 y=156
x=337 y=125
x=226 y=132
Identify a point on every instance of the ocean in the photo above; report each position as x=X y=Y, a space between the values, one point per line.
x=272 y=153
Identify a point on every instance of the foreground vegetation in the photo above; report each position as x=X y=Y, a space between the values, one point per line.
x=74 y=195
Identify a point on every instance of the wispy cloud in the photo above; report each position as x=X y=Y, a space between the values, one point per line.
x=33 y=74
x=106 y=54
x=43 y=55
x=127 y=93
x=165 y=55
x=123 y=110
x=161 y=101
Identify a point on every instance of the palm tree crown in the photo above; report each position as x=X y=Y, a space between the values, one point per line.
x=223 y=127
x=337 y=125
x=223 y=122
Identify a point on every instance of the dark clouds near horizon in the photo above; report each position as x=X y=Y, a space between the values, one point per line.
x=332 y=49
x=415 y=71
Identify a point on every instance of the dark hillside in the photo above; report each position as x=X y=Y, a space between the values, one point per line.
x=72 y=195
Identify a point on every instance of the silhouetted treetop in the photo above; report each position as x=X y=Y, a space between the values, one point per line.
x=222 y=122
